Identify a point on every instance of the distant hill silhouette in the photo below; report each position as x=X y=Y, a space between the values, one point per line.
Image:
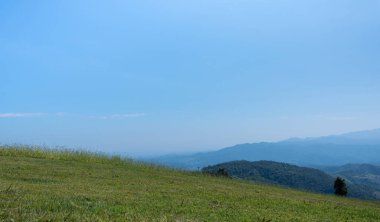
x=357 y=147
x=288 y=175
x=367 y=137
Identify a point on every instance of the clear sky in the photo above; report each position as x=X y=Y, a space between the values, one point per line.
x=158 y=76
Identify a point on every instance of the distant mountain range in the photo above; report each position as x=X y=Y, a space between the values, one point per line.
x=368 y=137
x=356 y=147
x=288 y=175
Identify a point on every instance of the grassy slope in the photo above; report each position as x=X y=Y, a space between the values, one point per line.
x=38 y=185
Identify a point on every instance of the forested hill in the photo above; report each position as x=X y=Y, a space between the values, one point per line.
x=288 y=175
x=365 y=174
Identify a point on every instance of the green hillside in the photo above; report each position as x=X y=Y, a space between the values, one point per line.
x=288 y=175
x=37 y=185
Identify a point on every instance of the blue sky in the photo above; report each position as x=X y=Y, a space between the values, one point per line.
x=153 y=77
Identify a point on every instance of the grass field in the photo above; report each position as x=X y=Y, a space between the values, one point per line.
x=40 y=185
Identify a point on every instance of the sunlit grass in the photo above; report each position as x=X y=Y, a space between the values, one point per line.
x=59 y=154
x=58 y=185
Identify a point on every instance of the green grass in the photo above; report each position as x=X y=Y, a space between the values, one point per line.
x=43 y=185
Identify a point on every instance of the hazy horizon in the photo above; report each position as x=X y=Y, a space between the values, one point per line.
x=157 y=77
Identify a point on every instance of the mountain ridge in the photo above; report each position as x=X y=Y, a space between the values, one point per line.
x=331 y=150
